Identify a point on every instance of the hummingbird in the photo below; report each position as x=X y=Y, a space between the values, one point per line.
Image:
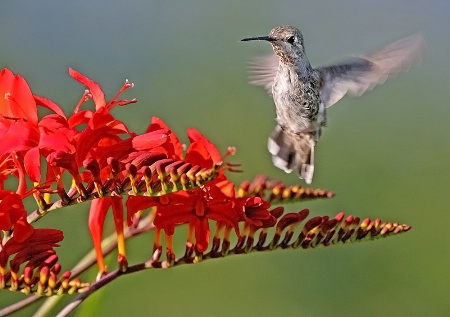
x=302 y=93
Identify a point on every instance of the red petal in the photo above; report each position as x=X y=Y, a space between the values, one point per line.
x=117 y=207
x=16 y=98
x=80 y=117
x=89 y=139
x=32 y=162
x=25 y=100
x=197 y=154
x=97 y=214
x=174 y=146
x=5 y=222
x=19 y=136
x=137 y=203
x=64 y=160
x=201 y=233
x=47 y=103
x=173 y=215
x=22 y=230
x=227 y=188
x=22 y=187
x=97 y=94
x=11 y=209
x=56 y=134
x=224 y=213
x=149 y=140
x=195 y=136
x=6 y=78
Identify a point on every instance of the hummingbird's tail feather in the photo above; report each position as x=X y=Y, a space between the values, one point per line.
x=293 y=151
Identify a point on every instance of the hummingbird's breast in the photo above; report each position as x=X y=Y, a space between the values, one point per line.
x=299 y=106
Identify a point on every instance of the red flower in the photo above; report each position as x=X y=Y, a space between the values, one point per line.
x=20 y=131
x=254 y=211
x=13 y=216
x=194 y=207
x=101 y=133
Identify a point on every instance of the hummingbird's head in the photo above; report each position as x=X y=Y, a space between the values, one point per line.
x=287 y=43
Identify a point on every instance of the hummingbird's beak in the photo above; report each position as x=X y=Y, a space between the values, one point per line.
x=259 y=38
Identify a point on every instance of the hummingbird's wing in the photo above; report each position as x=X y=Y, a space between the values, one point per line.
x=263 y=70
x=366 y=71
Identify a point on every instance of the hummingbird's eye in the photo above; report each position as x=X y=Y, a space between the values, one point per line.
x=291 y=39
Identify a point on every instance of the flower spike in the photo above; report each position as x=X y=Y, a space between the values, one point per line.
x=277 y=192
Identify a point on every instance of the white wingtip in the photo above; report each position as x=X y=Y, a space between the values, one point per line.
x=273 y=147
x=307 y=173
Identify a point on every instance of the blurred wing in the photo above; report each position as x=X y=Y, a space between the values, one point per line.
x=263 y=70
x=368 y=70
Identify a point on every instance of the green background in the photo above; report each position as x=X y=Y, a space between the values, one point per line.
x=385 y=154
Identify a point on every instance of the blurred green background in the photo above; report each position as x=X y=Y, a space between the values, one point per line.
x=385 y=154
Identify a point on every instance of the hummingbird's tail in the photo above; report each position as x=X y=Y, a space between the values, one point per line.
x=293 y=151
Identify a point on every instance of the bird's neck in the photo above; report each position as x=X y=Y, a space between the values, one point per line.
x=302 y=66
x=295 y=71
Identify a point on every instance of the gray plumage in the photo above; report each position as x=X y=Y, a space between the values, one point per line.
x=302 y=93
